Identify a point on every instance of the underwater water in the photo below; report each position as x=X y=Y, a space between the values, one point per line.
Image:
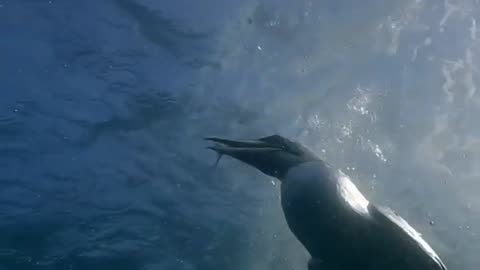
x=104 y=106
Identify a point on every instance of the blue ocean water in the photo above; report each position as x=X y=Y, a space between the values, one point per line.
x=104 y=105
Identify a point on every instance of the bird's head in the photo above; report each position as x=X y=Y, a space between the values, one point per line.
x=273 y=155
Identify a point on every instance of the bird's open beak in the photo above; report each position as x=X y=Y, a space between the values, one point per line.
x=273 y=155
x=228 y=147
x=240 y=149
x=231 y=147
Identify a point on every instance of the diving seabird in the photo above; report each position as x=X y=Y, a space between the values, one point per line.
x=326 y=212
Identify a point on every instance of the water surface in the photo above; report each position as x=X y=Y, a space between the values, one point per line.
x=105 y=103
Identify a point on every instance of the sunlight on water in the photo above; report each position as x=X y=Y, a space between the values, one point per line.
x=360 y=103
x=376 y=149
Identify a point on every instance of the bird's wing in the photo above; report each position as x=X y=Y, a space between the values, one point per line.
x=387 y=215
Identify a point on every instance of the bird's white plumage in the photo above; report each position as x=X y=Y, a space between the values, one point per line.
x=350 y=193
x=402 y=224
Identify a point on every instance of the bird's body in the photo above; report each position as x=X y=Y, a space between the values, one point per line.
x=318 y=222
x=326 y=212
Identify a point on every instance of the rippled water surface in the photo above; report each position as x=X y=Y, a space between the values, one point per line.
x=104 y=105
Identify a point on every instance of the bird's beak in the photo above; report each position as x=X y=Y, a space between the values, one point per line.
x=273 y=155
x=242 y=150
x=228 y=147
